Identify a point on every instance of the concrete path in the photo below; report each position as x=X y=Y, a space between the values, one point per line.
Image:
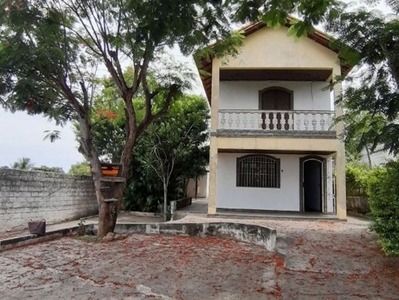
x=315 y=260
x=198 y=206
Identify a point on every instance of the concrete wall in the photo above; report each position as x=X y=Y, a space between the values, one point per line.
x=39 y=195
x=245 y=94
x=357 y=204
x=202 y=187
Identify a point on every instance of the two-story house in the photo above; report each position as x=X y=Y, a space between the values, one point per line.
x=274 y=144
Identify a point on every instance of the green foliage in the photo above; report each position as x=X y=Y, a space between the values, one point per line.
x=384 y=205
x=371 y=98
x=174 y=145
x=182 y=132
x=23 y=163
x=26 y=164
x=180 y=137
x=50 y=52
x=52 y=135
x=274 y=13
x=82 y=168
x=49 y=169
x=359 y=177
x=357 y=180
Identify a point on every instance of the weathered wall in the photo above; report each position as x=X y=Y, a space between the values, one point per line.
x=39 y=195
x=202 y=187
x=357 y=204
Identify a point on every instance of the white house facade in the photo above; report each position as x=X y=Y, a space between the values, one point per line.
x=274 y=143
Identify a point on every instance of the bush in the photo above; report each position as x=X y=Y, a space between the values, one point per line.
x=357 y=180
x=384 y=205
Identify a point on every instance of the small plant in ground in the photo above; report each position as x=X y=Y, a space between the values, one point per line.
x=81 y=228
x=384 y=206
x=89 y=238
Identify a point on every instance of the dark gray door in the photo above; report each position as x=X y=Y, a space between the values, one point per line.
x=312 y=185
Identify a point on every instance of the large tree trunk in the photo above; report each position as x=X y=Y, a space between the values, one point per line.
x=107 y=211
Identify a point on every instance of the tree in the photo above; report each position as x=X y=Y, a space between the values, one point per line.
x=369 y=40
x=275 y=13
x=384 y=206
x=143 y=184
x=23 y=163
x=82 y=168
x=50 y=51
x=177 y=139
x=52 y=135
x=360 y=132
x=49 y=169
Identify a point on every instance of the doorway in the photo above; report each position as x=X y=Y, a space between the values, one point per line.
x=312 y=174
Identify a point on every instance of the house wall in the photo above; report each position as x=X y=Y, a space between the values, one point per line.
x=245 y=94
x=39 y=195
x=285 y=198
x=272 y=48
x=276 y=143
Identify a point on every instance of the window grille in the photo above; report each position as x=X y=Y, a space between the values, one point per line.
x=258 y=171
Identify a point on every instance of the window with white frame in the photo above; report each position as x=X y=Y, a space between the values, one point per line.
x=258 y=171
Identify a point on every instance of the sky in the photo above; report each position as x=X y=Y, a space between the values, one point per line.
x=22 y=135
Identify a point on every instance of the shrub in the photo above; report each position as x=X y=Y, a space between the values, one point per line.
x=384 y=205
x=357 y=180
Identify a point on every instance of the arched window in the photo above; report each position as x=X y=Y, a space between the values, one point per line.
x=275 y=98
x=258 y=171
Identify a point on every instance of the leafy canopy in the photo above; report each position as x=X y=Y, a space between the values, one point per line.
x=372 y=94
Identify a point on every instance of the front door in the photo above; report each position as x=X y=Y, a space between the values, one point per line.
x=312 y=182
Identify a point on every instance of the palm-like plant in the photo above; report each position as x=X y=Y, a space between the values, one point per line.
x=23 y=163
x=52 y=135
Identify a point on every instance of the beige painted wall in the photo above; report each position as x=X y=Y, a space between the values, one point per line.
x=277 y=143
x=272 y=48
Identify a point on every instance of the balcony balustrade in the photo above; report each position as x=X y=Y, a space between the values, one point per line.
x=277 y=121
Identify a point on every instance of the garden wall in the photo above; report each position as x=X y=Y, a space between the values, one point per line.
x=357 y=204
x=26 y=195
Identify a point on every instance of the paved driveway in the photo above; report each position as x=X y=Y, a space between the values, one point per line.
x=316 y=260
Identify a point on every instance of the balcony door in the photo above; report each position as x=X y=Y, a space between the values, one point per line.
x=275 y=98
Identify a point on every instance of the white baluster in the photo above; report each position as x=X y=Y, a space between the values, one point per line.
x=306 y=122
x=314 y=122
x=298 y=121
x=292 y=121
x=244 y=120
x=275 y=122
x=237 y=120
x=230 y=120
x=223 y=120
x=323 y=123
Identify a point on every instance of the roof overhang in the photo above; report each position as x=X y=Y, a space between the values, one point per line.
x=269 y=74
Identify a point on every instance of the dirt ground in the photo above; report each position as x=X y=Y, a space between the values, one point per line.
x=314 y=260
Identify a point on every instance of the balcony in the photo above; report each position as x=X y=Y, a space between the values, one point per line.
x=287 y=123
